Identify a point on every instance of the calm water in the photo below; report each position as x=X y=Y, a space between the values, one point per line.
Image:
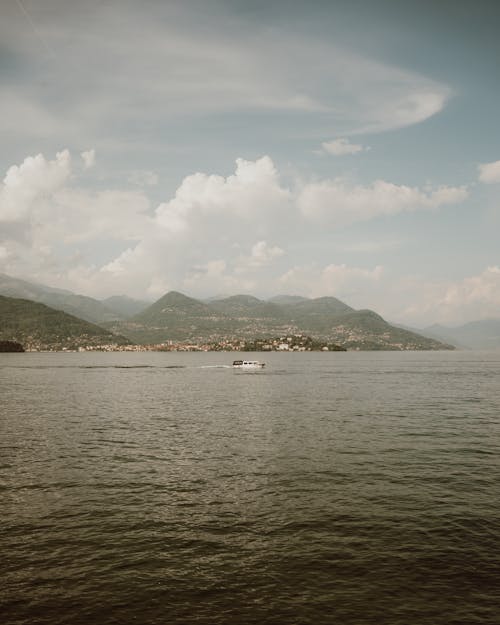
x=343 y=488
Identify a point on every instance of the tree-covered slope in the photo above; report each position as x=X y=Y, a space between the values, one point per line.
x=81 y=306
x=37 y=326
x=176 y=317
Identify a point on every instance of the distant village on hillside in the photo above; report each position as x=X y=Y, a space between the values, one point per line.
x=297 y=343
x=41 y=318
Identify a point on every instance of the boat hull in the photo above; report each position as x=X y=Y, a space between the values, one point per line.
x=248 y=364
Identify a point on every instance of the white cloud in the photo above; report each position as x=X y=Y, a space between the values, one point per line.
x=207 y=213
x=215 y=276
x=46 y=219
x=32 y=181
x=413 y=300
x=419 y=300
x=342 y=146
x=475 y=296
x=216 y=234
x=186 y=70
x=157 y=287
x=341 y=203
x=262 y=254
x=38 y=193
x=145 y=270
x=81 y=215
x=398 y=109
x=88 y=158
x=252 y=191
x=340 y=281
x=489 y=173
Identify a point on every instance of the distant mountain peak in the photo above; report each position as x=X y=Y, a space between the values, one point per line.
x=176 y=316
x=173 y=303
x=176 y=298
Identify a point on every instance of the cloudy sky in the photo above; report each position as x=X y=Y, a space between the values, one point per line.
x=346 y=148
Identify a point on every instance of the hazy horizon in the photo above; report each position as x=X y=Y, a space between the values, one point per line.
x=347 y=149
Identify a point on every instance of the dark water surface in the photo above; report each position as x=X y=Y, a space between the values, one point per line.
x=344 y=488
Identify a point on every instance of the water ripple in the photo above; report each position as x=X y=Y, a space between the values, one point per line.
x=333 y=488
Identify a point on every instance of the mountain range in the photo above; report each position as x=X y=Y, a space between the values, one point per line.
x=87 y=308
x=177 y=317
x=484 y=334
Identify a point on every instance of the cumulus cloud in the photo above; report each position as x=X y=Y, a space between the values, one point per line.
x=35 y=179
x=254 y=189
x=215 y=234
x=426 y=301
x=211 y=212
x=338 y=280
x=88 y=158
x=215 y=276
x=475 y=296
x=53 y=231
x=489 y=173
x=261 y=254
x=341 y=147
x=342 y=203
x=146 y=269
x=77 y=215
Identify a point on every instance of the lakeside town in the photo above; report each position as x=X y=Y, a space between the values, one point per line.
x=296 y=343
x=289 y=343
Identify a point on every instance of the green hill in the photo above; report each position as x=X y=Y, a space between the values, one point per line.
x=78 y=305
x=38 y=327
x=177 y=305
x=316 y=315
x=176 y=317
x=365 y=329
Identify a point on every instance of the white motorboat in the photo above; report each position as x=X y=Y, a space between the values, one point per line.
x=248 y=364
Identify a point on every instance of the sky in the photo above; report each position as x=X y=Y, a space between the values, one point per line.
x=216 y=147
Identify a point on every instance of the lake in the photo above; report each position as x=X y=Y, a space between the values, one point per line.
x=163 y=488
